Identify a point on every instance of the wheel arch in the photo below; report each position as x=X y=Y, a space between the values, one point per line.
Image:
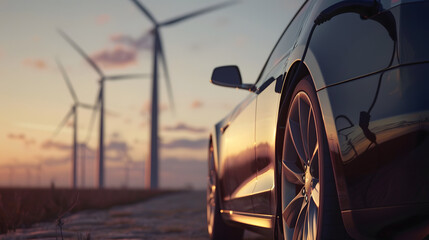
x=311 y=67
x=284 y=103
x=281 y=125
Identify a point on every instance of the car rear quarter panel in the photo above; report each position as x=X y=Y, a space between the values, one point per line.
x=392 y=171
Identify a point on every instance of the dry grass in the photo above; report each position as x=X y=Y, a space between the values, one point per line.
x=20 y=207
x=172 y=230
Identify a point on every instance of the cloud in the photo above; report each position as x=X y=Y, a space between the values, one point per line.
x=115 y=135
x=90 y=153
x=52 y=161
x=21 y=137
x=144 y=42
x=111 y=114
x=20 y=165
x=102 y=19
x=35 y=63
x=196 y=104
x=186 y=143
x=147 y=107
x=117 y=146
x=117 y=150
x=49 y=144
x=130 y=166
x=117 y=57
x=185 y=127
x=16 y=136
x=88 y=149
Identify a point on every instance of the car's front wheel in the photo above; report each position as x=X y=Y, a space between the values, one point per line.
x=309 y=205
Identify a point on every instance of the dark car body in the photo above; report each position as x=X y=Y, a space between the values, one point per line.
x=381 y=169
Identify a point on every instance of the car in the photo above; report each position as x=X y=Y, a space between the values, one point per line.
x=332 y=140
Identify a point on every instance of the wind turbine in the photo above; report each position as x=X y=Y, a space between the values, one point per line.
x=127 y=163
x=151 y=174
x=83 y=163
x=72 y=112
x=99 y=100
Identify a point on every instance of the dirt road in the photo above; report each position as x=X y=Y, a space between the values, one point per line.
x=178 y=216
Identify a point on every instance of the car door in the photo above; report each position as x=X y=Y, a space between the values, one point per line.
x=239 y=156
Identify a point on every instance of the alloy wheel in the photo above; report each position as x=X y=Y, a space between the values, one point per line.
x=300 y=189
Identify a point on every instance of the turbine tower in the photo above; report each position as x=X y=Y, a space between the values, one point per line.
x=72 y=112
x=99 y=102
x=151 y=174
x=128 y=162
x=83 y=164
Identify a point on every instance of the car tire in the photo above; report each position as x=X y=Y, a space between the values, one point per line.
x=217 y=228
x=308 y=202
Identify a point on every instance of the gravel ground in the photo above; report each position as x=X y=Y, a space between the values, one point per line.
x=178 y=216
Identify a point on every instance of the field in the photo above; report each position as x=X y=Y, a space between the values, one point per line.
x=176 y=216
x=21 y=207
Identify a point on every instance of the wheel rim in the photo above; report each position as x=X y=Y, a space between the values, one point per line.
x=300 y=171
x=211 y=194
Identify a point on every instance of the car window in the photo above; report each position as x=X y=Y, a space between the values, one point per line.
x=284 y=45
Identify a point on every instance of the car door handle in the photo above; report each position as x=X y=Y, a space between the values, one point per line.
x=223 y=129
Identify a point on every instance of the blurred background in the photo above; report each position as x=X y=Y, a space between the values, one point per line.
x=34 y=97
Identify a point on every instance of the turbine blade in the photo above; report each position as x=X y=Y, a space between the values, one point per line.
x=63 y=122
x=127 y=76
x=167 y=76
x=81 y=52
x=145 y=11
x=68 y=82
x=196 y=13
x=87 y=106
x=92 y=121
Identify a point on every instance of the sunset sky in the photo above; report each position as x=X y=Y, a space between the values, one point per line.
x=34 y=97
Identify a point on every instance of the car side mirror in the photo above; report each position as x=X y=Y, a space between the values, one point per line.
x=229 y=76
